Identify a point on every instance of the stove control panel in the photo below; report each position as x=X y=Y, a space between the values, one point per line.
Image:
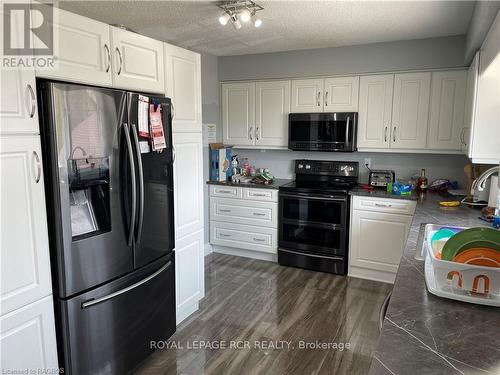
x=327 y=167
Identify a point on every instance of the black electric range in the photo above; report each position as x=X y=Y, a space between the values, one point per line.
x=314 y=215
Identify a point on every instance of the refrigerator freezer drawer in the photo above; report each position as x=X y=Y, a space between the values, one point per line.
x=110 y=329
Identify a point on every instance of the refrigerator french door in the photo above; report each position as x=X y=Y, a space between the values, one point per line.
x=110 y=215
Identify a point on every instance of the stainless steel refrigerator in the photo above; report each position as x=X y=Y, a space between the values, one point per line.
x=111 y=224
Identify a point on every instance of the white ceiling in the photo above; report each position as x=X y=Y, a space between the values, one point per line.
x=287 y=25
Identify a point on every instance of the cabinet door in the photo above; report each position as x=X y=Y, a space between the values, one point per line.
x=189 y=274
x=470 y=106
x=341 y=94
x=18 y=107
x=188 y=183
x=238 y=113
x=378 y=239
x=82 y=50
x=137 y=62
x=447 y=109
x=183 y=86
x=307 y=95
x=272 y=109
x=28 y=338
x=486 y=132
x=410 y=110
x=375 y=107
x=25 y=263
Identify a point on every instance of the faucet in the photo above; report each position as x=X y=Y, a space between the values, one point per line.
x=480 y=182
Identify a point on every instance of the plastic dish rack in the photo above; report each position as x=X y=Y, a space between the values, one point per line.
x=463 y=282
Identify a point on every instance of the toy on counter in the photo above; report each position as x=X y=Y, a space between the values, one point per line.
x=234 y=164
x=399 y=188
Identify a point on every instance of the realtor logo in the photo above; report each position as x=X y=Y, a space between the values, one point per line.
x=27 y=29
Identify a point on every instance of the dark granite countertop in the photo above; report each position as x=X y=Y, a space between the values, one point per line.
x=426 y=334
x=275 y=185
x=380 y=193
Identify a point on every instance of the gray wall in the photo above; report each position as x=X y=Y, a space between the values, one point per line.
x=378 y=57
x=482 y=18
x=210 y=115
x=280 y=162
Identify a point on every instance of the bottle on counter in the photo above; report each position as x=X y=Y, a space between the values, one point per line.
x=422 y=182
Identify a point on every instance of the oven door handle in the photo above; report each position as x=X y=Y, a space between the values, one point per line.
x=313 y=197
x=312 y=255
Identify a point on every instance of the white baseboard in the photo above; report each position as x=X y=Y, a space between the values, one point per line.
x=208 y=249
x=186 y=311
x=245 y=253
x=365 y=273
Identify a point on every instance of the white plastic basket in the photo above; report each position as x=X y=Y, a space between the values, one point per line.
x=463 y=282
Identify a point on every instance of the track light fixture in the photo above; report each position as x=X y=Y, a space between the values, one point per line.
x=239 y=11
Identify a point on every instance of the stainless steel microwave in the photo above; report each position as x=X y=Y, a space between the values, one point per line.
x=334 y=131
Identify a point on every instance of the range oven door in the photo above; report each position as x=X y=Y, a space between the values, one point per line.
x=313 y=223
x=322 y=131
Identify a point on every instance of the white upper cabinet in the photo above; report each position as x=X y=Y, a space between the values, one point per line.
x=466 y=135
x=238 y=113
x=183 y=86
x=272 y=109
x=82 y=50
x=307 y=95
x=447 y=109
x=486 y=129
x=137 y=62
x=410 y=110
x=341 y=94
x=188 y=183
x=375 y=108
x=18 y=106
x=25 y=264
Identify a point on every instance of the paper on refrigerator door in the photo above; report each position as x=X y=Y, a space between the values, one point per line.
x=143 y=116
x=157 y=135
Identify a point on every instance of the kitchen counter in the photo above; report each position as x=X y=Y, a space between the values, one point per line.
x=426 y=334
x=275 y=185
x=380 y=193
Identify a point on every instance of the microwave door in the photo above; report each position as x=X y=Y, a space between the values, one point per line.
x=154 y=228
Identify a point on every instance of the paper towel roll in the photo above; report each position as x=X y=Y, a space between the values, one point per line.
x=492 y=199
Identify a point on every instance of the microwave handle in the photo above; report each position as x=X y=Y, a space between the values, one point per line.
x=347 y=129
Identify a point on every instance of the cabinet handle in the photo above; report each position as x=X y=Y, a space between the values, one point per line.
x=224 y=235
x=257 y=195
x=326 y=99
x=33 y=100
x=224 y=191
x=462 y=136
x=394 y=135
x=259 y=239
x=108 y=57
x=465 y=132
x=38 y=167
x=227 y=211
x=258 y=214
x=257 y=130
x=385 y=134
x=319 y=94
x=383 y=205
x=121 y=61
x=250 y=133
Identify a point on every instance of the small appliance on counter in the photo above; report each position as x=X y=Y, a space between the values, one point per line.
x=381 y=178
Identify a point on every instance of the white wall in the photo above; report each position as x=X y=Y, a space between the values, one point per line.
x=281 y=163
x=210 y=115
x=378 y=57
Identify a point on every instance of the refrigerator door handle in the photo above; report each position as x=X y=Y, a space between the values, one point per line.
x=134 y=184
x=96 y=301
x=141 y=182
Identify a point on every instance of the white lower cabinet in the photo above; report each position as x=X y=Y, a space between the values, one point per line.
x=244 y=219
x=28 y=339
x=378 y=237
x=189 y=274
x=25 y=263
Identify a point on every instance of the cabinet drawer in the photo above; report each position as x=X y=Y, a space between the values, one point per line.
x=398 y=206
x=259 y=194
x=244 y=236
x=242 y=212
x=225 y=191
